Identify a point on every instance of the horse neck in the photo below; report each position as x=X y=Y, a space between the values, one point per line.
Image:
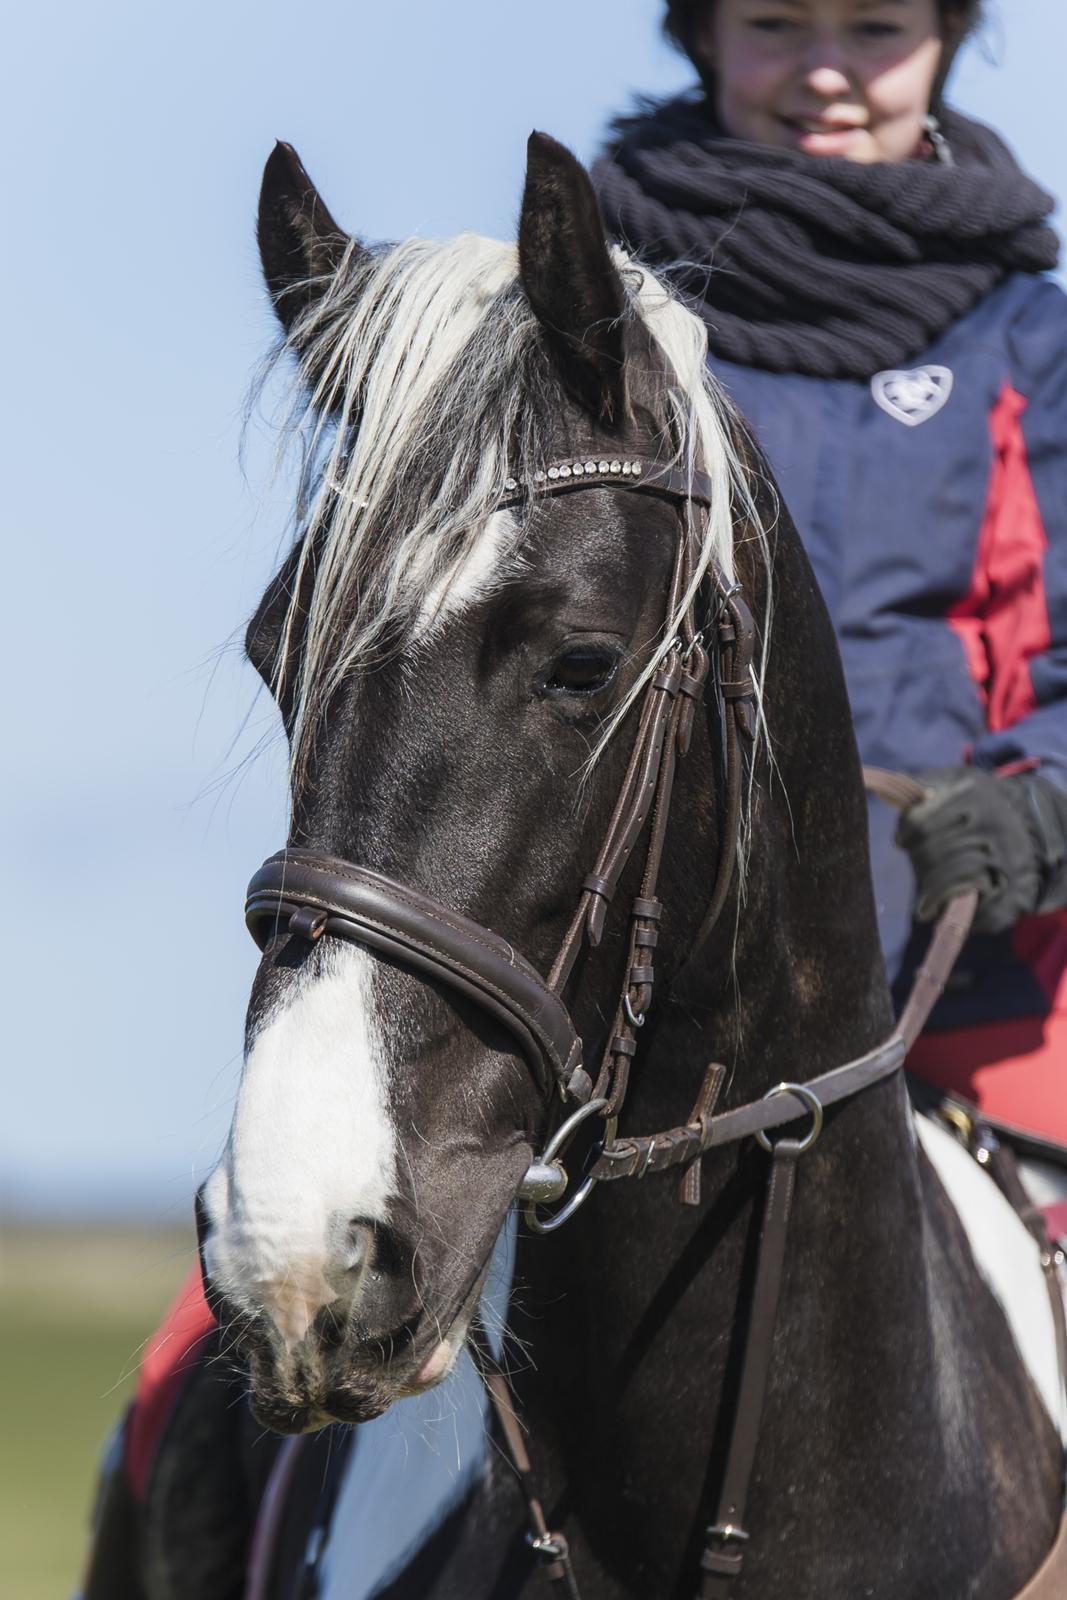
x=637 y=1304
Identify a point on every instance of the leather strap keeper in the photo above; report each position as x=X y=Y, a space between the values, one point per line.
x=597 y=885
x=726 y=1563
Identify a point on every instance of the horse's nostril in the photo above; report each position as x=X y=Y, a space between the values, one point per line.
x=359 y=1245
x=377 y=1248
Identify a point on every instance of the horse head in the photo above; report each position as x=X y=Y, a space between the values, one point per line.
x=463 y=658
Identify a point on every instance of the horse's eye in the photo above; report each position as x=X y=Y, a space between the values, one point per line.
x=581 y=669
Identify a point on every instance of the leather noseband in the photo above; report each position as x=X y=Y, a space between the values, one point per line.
x=303 y=894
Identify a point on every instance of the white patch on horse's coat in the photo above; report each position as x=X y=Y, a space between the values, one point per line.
x=1006 y=1255
x=312 y=1146
x=456 y=591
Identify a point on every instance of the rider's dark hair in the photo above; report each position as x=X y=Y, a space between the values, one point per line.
x=685 y=19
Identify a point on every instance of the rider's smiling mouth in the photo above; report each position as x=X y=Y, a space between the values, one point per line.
x=829 y=134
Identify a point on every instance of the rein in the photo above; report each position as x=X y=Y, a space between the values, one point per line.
x=299 y=896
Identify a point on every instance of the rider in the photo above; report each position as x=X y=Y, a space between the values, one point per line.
x=870 y=267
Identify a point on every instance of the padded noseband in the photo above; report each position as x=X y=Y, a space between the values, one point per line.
x=304 y=894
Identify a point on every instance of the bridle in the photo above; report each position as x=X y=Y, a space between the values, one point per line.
x=302 y=895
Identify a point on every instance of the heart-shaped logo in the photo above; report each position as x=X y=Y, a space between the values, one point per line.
x=912 y=397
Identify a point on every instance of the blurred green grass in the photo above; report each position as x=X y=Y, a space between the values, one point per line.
x=75 y=1306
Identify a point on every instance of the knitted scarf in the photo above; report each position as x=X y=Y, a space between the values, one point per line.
x=815 y=264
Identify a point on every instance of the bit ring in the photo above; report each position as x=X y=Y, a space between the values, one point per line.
x=550 y=1156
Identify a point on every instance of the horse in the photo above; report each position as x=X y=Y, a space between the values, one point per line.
x=568 y=826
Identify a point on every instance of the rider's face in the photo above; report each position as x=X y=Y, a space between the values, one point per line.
x=850 y=78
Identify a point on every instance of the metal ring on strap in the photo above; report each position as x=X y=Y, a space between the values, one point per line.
x=814 y=1105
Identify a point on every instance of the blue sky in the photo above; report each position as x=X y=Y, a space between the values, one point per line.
x=136 y=543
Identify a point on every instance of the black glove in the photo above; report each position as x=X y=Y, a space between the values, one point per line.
x=1005 y=837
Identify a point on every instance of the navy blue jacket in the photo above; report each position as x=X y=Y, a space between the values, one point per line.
x=933 y=505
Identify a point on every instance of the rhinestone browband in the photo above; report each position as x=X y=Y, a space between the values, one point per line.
x=681 y=483
x=581 y=469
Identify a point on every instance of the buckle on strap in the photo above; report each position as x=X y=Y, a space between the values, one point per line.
x=552 y=1546
x=727 y=1532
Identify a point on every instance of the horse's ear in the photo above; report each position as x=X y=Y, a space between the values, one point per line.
x=570 y=278
x=300 y=245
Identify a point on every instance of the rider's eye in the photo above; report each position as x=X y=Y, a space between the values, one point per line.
x=581 y=669
x=879 y=30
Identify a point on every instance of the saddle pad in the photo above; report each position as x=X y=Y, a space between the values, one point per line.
x=1007 y=1256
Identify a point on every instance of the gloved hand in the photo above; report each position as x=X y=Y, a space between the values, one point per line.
x=1005 y=837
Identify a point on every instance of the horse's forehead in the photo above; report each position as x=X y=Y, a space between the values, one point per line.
x=602 y=536
x=583 y=547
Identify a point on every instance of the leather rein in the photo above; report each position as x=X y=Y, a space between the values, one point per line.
x=302 y=895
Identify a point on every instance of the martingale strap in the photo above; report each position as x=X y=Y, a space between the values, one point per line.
x=638 y=1155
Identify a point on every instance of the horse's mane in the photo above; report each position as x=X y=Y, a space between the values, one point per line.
x=424 y=383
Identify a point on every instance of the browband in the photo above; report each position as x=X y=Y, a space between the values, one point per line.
x=635 y=472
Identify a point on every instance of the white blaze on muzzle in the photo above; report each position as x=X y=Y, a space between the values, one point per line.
x=312 y=1148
